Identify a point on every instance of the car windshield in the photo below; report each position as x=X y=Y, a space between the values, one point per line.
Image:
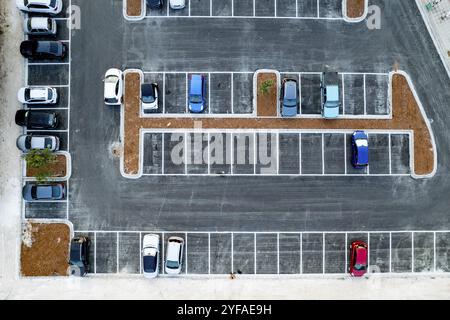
x=48 y=143
x=27 y=94
x=172 y=264
x=28 y=142
x=361 y=143
x=290 y=102
x=110 y=100
x=360 y=267
x=111 y=79
x=150 y=263
x=196 y=98
x=53 y=3
x=56 y=191
x=50 y=94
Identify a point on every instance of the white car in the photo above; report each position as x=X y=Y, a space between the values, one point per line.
x=174 y=255
x=177 y=4
x=27 y=142
x=113 y=87
x=37 y=95
x=44 y=6
x=150 y=255
x=39 y=26
x=149 y=97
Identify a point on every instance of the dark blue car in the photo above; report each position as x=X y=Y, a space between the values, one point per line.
x=360 y=149
x=197 y=93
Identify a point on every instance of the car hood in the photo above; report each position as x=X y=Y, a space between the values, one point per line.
x=196 y=107
x=331 y=112
x=110 y=90
x=288 y=111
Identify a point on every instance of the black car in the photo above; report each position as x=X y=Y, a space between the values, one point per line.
x=39 y=49
x=37 y=119
x=155 y=4
x=79 y=256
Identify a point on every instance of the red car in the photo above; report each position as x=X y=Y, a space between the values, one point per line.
x=358 y=258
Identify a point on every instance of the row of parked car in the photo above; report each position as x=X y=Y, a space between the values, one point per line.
x=31 y=96
x=159 y=4
x=150 y=255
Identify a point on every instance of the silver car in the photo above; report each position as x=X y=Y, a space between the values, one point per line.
x=39 y=26
x=27 y=142
x=174 y=255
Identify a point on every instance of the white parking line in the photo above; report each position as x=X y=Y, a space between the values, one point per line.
x=412 y=251
x=343 y=94
x=434 y=251
x=324 y=250
x=390 y=154
x=254 y=8
x=48 y=63
x=163 y=253
x=365 y=95
x=185 y=253
x=140 y=252
x=318 y=8
x=323 y=156
x=117 y=253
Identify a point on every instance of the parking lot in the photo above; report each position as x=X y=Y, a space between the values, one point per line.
x=289 y=253
x=362 y=95
x=299 y=214
x=287 y=152
x=306 y=9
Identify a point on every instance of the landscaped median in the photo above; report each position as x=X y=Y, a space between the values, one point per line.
x=45 y=248
x=407 y=115
x=355 y=10
x=134 y=9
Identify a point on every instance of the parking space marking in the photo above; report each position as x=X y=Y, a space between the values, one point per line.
x=321 y=270
x=343 y=94
x=412 y=251
x=365 y=95
x=254 y=136
x=117 y=253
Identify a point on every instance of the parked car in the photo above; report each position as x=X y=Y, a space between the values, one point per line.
x=150 y=255
x=149 y=97
x=289 y=94
x=197 y=93
x=37 y=95
x=40 y=26
x=329 y=85
x=113 y=87
x=44 y=6
x=360 y=149
x=358 y=258
x=177 y=4
x=33 y=192
x=43 y=49
x=28 y=142
x=79 y=256
x=37 y=119
x=174 y=255
x=155 y=4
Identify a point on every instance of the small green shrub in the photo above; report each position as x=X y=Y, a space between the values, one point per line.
x=39 y=158
x=265 y=86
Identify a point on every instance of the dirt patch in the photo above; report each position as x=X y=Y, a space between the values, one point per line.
x=355 y=8
x=406 y=115
x=57 y=168
x=45 y=249
x=132 y=122
x=267 y=101
x=134 y=8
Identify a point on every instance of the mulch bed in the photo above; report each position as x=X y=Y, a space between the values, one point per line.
x=405 y=116
x=45 y=249
x=355 y=8
x=267 y=103
x=134 y=8
x=57 y=169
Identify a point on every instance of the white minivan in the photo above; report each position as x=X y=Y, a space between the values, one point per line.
x=174 y=255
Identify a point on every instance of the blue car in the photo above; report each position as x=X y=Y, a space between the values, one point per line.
x=197 y=93
x=360 y=149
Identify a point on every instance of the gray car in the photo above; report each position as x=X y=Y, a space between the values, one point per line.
x=33 y=192
x=289 y=94
x=27 y=142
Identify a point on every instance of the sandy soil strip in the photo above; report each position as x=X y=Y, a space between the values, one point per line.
x=406 y=115
x=267 y=103
x=58 y=168
x=134 y=8
x=355 y=8
x=45 y=249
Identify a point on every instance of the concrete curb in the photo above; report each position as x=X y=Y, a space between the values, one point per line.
x=354 y=20
x=255 y=88
x=68 y=168
x=134 y=18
